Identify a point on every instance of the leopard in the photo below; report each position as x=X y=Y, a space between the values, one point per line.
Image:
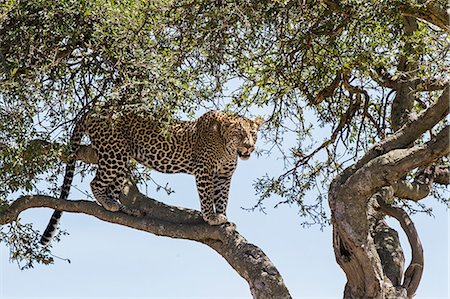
x=207 y=148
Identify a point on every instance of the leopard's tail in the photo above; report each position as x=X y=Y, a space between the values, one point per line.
x=75 y=142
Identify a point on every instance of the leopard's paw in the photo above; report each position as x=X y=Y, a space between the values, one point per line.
x=216 y=219
x=112 y=205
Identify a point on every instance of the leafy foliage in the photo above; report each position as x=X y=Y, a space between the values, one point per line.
x=23 y=243
x=313 y=67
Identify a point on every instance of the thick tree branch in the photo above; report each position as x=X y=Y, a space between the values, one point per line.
x=388 y=168
x=387 y=243
x=163 y=220
x=411 y=190
x=429 y=12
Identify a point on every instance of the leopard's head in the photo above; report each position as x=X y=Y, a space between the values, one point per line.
x=241 y=133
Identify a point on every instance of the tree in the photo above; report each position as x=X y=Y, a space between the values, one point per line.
x=374 y=72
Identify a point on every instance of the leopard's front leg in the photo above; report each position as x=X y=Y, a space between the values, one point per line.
x=221 y=190
x=205 y=188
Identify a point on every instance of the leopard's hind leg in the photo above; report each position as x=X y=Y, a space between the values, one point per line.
x=110 y=179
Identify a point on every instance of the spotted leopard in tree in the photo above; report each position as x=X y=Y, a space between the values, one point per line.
x=207 y=148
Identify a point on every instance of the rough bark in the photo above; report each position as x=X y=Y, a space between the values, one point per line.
x=163 y=220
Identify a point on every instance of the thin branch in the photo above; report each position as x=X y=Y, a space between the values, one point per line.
x=431 y=84
x=344 y=120
x=382 y=77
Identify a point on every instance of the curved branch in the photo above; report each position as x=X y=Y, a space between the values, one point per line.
x=421 y=186
x=354 y=247
x=157 y=218
x=247 y=259
x=413 y=273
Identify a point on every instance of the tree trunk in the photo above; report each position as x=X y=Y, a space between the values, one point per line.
x=368 y=250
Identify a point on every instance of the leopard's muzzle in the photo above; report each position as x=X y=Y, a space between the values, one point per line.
x=245 y=152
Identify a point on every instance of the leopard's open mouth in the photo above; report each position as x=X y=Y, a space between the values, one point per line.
x=243 y=156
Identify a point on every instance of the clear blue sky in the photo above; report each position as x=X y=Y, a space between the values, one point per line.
x=110 y=261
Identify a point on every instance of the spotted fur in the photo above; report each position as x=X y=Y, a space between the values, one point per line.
x=207 y=148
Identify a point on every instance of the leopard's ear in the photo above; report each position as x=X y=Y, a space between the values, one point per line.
x=259 y=121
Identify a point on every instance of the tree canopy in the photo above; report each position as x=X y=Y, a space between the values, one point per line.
x=372 y=74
